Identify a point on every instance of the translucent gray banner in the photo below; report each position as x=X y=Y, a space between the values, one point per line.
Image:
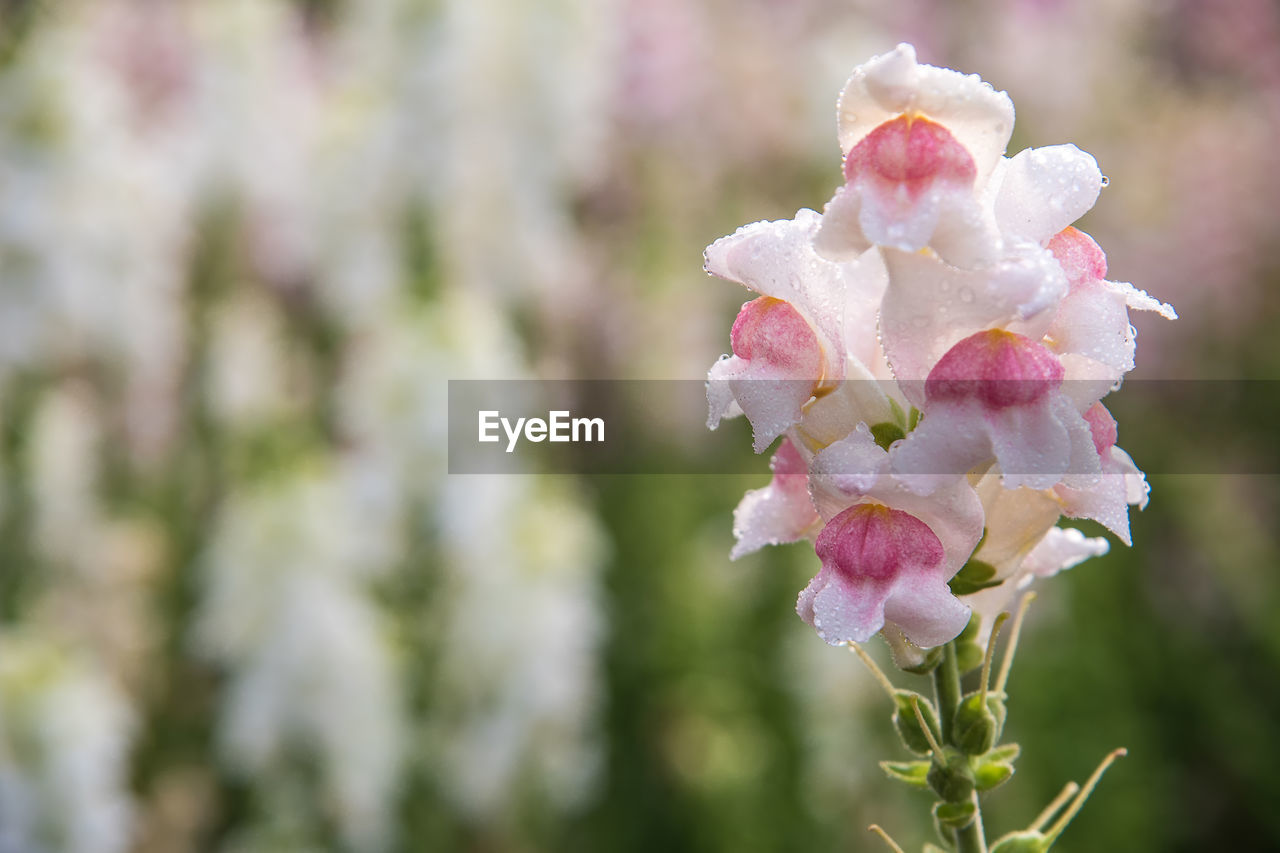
x=660 y=427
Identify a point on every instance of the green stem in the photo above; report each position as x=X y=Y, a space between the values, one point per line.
x=946 y=686
x=969 y=839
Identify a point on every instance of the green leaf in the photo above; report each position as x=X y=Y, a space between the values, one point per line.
x=976 y=575
x=899 y=416
x=913 y=418
x=1004 y=754
x=955 y=815
x=887 y=433
x=991 y=775
x=913 y=773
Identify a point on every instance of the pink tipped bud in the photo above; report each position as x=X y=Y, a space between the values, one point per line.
x=910 y=152
x=772 y=331
x=1103 y=428
x=1081 y=258
x=876 y=543
x=1001 y=369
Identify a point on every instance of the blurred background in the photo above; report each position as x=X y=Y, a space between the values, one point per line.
x=243 y=606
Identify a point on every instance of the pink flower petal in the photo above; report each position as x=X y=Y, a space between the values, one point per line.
x=978 y=116
x=855 y=470
x=772 y=331
x=996 y=396
x=1107 y=502
x=1082 y=259
x=876 y=559
x=932 y=306
x=777 y=259
x=776 y=365
x=780 y=512
x=908 y=181
x=997 y=368
x=1102 y=428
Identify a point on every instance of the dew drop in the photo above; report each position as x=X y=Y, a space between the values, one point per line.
x=966 y=294
x=1105 y=180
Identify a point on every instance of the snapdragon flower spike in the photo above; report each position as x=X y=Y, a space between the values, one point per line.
x=780 y=512
x=934 y=347
x=996 y=396
x=920 y=143
x=790 y=343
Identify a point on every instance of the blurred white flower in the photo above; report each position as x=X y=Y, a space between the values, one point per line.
x=522 y=626
x=287 y=610
x=64 y=735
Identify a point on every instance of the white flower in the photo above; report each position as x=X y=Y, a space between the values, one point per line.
x=934 y=347
x=65 y=732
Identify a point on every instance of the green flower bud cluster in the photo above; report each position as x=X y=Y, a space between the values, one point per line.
x=958 y=740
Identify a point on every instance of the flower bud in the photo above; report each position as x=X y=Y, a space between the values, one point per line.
x=978 y=723
x=908 y=726
x=951 y=777
x=952 y=816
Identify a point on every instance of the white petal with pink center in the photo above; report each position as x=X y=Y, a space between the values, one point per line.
x=1120 y=486
x=980 y=118
x=931 y=306
x=880 y=563
x=920 y=143
x=997 y=396
x=789 y=343
x=776 y=366
x=1091 y=329
x=846 y=603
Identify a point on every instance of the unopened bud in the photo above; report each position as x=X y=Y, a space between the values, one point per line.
x=978 y=723
x=953 y=816
x=951 y=777
x=908 y=724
